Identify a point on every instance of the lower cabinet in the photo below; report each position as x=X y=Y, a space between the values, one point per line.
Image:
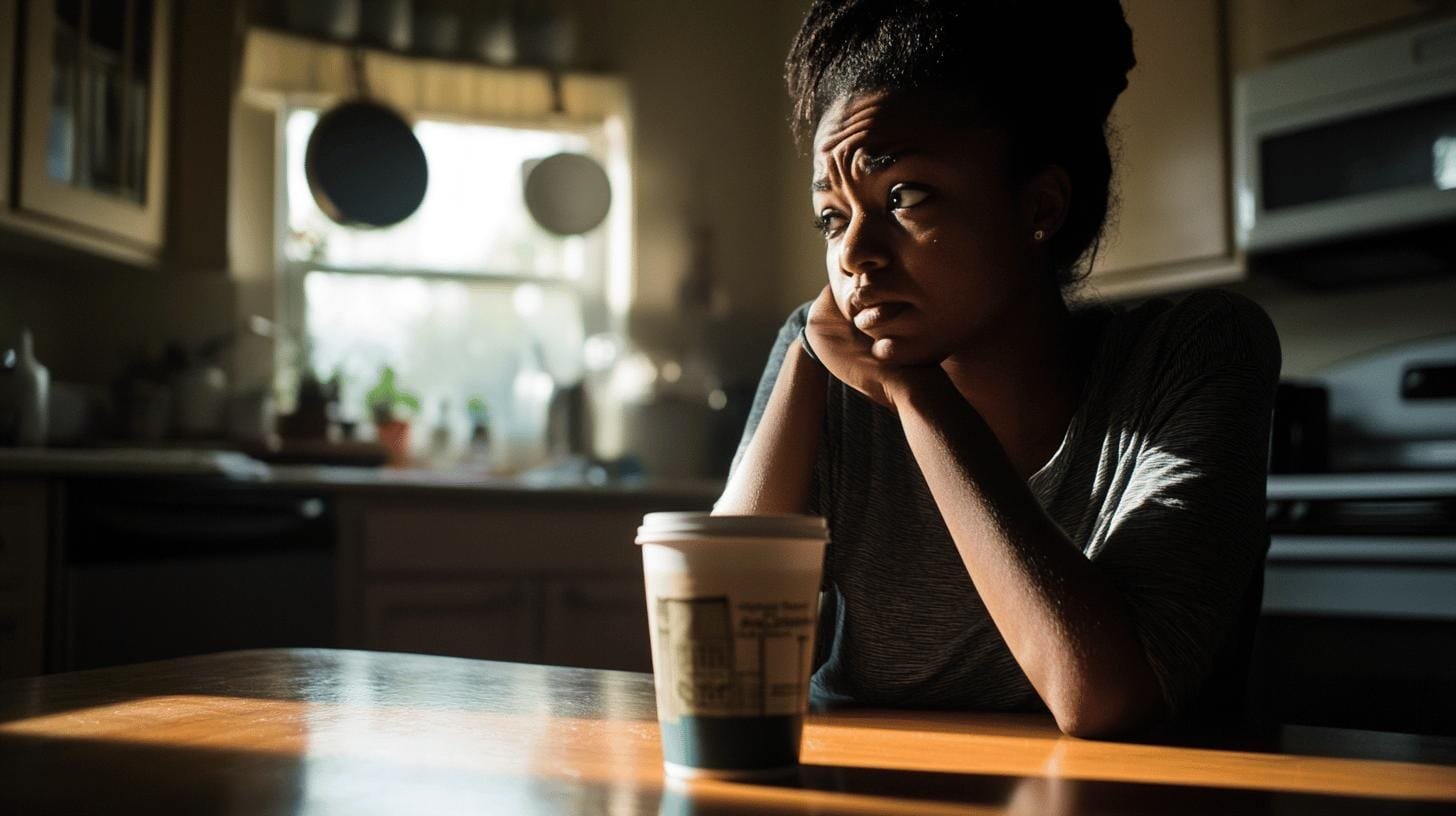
x=496 y=620
x=556 y=583
x=24 y=541
x=597 y=621
x=593 y=621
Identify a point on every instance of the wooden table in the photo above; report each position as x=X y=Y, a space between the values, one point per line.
x=318 y=731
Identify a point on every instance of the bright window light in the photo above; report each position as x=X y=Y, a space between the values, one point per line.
x=467 y=298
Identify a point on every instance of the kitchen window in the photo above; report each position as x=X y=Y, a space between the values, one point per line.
x=466 y=299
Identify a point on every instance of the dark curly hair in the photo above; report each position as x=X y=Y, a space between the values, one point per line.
x=1046 y=72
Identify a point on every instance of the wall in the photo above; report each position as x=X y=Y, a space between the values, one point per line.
x=91 y=321
x=710 y=141
x=801 y=250
x=1321 y=327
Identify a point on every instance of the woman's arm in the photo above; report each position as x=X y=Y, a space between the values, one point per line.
x=1064 y=622
x=774 y=472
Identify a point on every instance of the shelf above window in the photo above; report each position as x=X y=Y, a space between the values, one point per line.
x=287 y=70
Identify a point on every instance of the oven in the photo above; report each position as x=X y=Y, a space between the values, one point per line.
x=164 y=567
x=1359 y=613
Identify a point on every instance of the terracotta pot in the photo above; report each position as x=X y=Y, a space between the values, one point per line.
x=394 y=435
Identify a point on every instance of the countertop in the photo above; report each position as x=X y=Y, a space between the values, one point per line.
x=454 y=481
x=324 y=731
x=236 y=468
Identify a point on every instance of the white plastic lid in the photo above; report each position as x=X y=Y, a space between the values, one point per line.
x=705 y=525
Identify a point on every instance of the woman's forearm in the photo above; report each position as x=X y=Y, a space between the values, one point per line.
x=774 y=474
x=1064 y=622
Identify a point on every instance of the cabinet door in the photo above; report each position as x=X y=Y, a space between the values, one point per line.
x=23 y=546
x=1171 y=230
x=458 y=539
x=598 y=622
x=94 y=121
x=8 y=11
x=1267 y=30
x=490 y=620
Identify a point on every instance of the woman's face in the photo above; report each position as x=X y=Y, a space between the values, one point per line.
x=927 y=239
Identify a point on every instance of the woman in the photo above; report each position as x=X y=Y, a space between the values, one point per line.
x=1030 y=504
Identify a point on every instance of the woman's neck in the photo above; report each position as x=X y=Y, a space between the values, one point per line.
x=1024 y=376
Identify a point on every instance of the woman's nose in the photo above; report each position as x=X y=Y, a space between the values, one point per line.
x=864 y=247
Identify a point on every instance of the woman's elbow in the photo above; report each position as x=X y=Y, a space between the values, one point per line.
x=1107 y=716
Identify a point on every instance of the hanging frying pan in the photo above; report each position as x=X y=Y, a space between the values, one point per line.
x=364 y=165
x=567 y=193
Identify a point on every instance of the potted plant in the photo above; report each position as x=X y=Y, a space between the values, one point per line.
x=392 y=407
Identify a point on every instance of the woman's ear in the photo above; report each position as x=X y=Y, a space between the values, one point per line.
x=1045 y=200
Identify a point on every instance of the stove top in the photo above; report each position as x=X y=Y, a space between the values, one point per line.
x=1395 y=504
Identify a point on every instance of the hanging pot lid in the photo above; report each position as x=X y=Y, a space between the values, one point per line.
x=365 y=167
x=568 y=193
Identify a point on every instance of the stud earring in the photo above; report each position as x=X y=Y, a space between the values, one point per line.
x=1039 y=235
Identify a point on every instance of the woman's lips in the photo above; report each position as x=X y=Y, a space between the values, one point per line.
x=876 y=316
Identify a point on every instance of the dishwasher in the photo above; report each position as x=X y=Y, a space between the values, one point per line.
x=159 y=568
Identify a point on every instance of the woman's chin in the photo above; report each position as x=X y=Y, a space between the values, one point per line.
x=895 y=350
x=901 y=351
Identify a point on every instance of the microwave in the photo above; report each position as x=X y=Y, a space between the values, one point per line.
x=1348 y=144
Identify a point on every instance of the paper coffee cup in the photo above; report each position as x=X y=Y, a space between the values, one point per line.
x=732 y=603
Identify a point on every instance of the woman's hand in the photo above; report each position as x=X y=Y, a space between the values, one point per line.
x=848 y=354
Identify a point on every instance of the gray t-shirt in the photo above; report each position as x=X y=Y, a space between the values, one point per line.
x=1159 y=480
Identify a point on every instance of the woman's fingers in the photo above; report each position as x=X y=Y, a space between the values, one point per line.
x=845 y=351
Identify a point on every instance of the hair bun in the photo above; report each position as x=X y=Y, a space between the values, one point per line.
x=1095 y=42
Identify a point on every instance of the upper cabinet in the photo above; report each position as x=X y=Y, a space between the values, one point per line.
x=1171 y=227
x=1267 y=30
x=92 y=124
x=7 y=90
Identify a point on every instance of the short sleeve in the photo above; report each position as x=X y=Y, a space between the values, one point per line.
x=787 y=335
x=1188 y=534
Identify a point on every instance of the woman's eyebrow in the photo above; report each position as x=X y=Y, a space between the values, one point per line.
x=870 y=164
x=875 y=163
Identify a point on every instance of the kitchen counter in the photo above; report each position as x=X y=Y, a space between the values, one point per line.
x=563 y=483
x=448 y=482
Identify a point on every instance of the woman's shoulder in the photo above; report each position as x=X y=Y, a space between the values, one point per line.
x=1155 y=354
x=1205 y=331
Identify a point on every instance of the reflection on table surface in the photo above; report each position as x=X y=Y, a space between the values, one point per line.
x=303 y=731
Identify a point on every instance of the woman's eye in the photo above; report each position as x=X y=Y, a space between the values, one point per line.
x=829 y=223
x=903 y=197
